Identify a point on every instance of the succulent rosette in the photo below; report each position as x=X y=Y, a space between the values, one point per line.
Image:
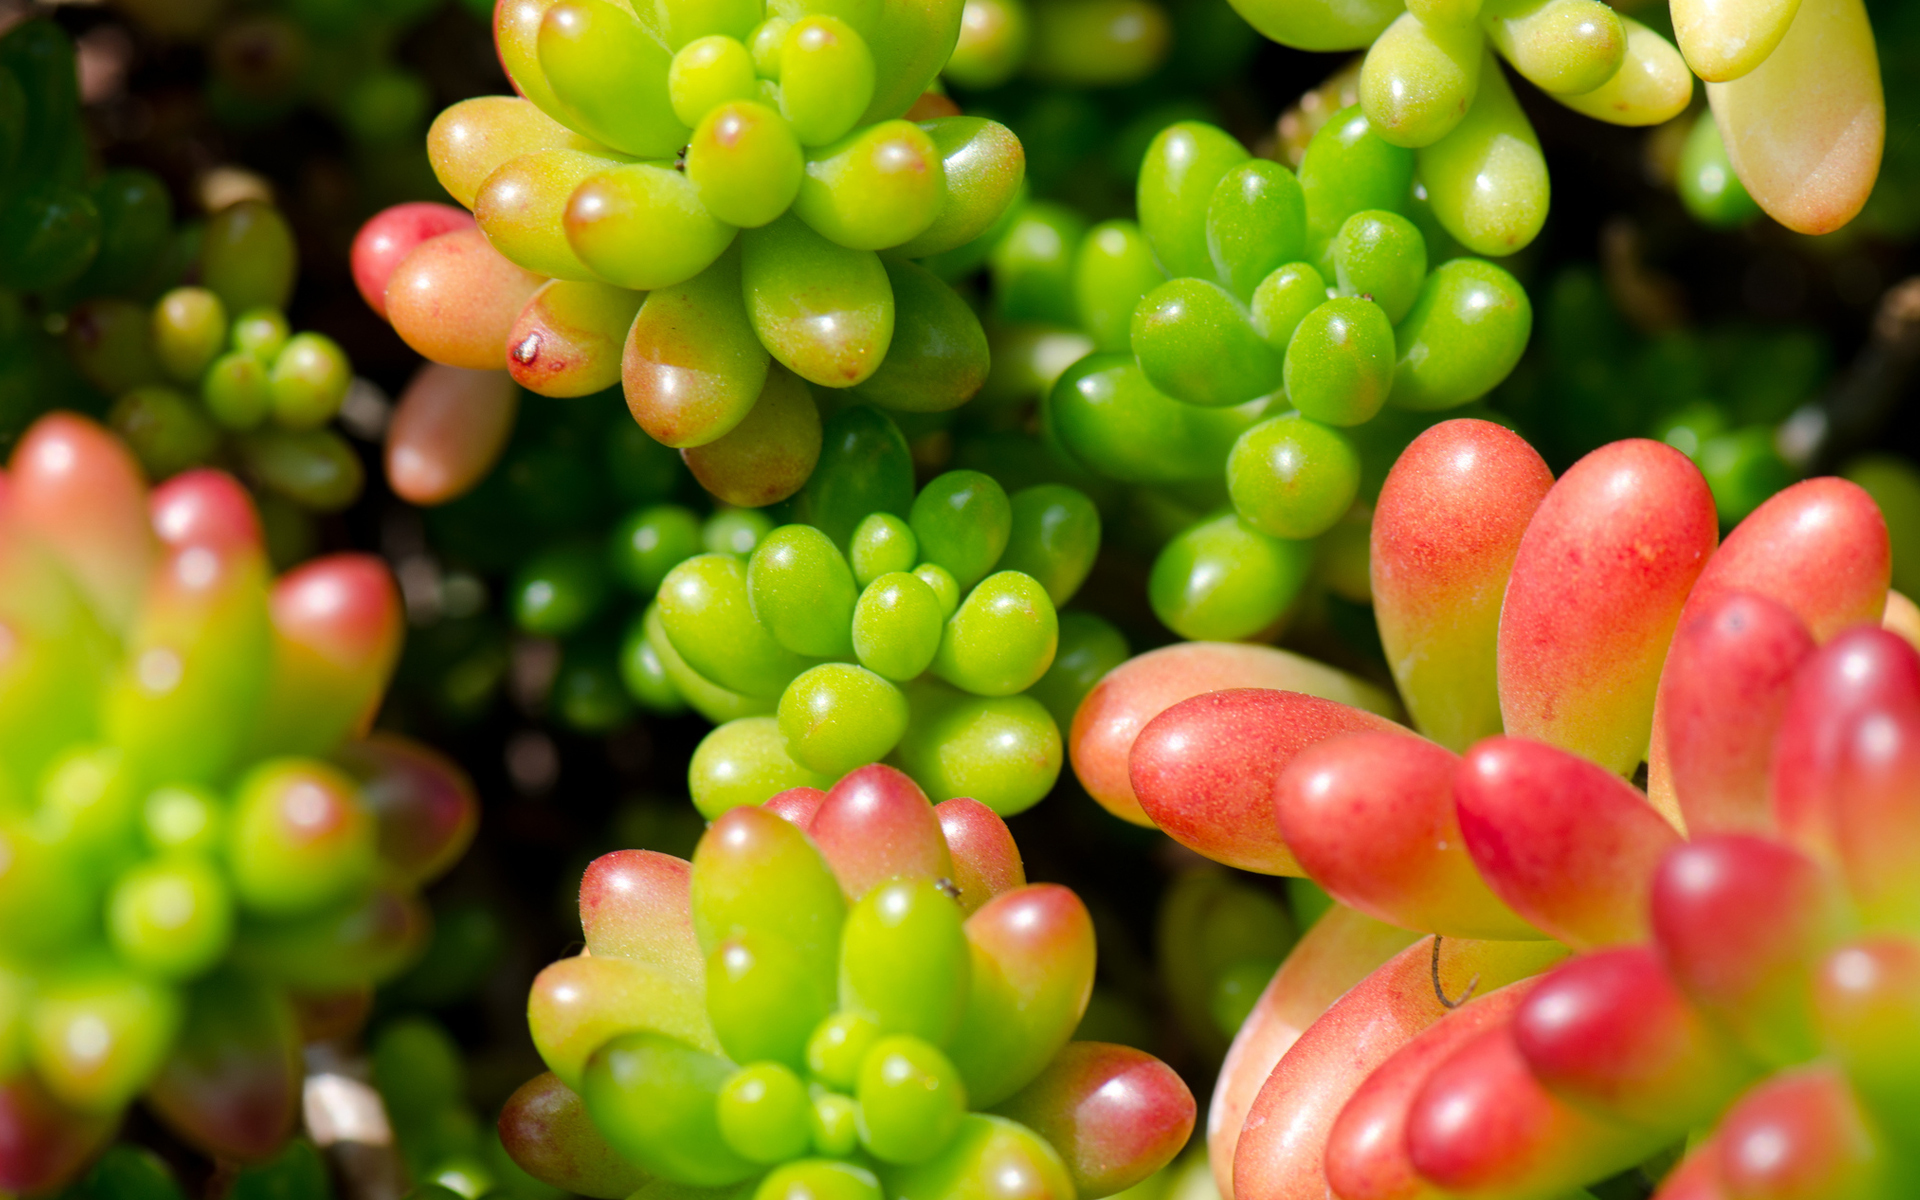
x=212 y=373
x=1548 y=637
x=935 y=640
x=196 y=829
x=1284 y=334
x=851 y=993
x=1798 y=110
x=692 y=203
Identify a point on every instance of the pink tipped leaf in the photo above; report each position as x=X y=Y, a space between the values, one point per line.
x=1739 y=922
x=1861 y=671
x=1121 y=704
x=546 y=1130
x=1568 y=845
x=43 y=1144
x=337 y=625
x=567 y=340
x=1875 y=809
x=448 y=430
x=1802 y=1135
x=1282 y=1147
x=80 y=492
x=634 y=904
x=195 y=667
x=755 y=873
x=1819 y=548
x=389 y=236
x=204 y=507
x=1482 y=1125
x=1595 y=595
x=1371 y=817
x=1031 y=975
x=1723 y=696
x=876 y=825
x=231 y=1086
x=1367 y=1148
x=986 y=862
x=454 y=299
x=1204 y=769
x=1612 y=1033
x=1115 y=1114
x=1446 y=530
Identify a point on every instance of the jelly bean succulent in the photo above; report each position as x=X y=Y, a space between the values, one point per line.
x=852 y=992
x=1283 y=332
x=691 y=203
x=1753 y=978
x=1794 y=87
x=933 y=639
x=197 y=381
x=1547 y=637
x=195 y=827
